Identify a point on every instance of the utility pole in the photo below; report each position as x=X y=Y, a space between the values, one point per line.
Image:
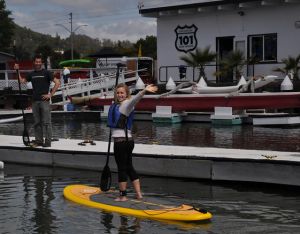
x=71 y=31
x=71 y=36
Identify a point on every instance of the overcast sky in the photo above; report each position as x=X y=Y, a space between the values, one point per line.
x=114 y=19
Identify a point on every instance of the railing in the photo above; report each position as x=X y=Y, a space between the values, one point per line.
x=192 y=73
x=102 y=84
x=11 y=82
x=99 y=81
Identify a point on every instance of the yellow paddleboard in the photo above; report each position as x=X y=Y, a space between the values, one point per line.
x=146 y=208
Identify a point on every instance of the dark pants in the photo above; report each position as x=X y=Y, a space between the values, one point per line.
x=42 y=121
x=123 y=156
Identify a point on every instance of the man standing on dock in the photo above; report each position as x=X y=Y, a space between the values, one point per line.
x=41 y=79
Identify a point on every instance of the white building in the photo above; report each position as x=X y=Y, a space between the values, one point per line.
x=269 y=29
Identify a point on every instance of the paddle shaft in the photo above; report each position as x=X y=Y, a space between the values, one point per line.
x=20 y=92
x=103 y=184
x=108 y=149
x=105 y=180
x=26 y=139
x=19 y=85
x=109 y=140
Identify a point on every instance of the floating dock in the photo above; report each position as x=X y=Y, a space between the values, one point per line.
x=217 y=164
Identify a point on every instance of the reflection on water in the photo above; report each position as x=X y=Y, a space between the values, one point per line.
x=31 y=198
x=43 y=214
x=185 y=134
x=1 y=175
x=31 y=201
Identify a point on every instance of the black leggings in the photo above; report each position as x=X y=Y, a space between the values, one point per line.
x=123 y=156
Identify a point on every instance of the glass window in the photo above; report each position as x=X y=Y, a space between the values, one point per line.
x=270 y=43
x=263 y=47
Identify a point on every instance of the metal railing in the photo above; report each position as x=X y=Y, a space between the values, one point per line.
x=102 y=84
x=11 y=82
x=99 y=82
x=192 y=73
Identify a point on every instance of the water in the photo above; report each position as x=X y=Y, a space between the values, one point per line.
x=184 y=134
x=31 y=201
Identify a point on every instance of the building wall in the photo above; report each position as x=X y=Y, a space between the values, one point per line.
x=262 y=20
x=4 y=61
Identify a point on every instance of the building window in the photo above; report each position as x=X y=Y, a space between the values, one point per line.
x=2 y=74
x=263 y=47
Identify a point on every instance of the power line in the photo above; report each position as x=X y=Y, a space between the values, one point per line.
x=114 y=15
x=71 y=31
x=38 y=25
x=46 y=24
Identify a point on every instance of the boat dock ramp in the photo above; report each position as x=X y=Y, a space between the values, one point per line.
x=216 y=164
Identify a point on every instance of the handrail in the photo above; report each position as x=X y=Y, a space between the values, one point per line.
x=99 y=82
x=248 y=69
x=88 y=80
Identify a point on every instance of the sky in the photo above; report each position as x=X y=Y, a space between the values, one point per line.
x=105 y=19
x=113 y=19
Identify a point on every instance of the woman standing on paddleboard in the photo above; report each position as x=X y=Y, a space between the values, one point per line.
x=120 y=119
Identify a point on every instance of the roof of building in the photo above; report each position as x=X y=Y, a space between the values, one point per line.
x=178 y=5
x=181 y=7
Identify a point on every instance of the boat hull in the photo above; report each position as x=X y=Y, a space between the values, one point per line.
x=198 y=102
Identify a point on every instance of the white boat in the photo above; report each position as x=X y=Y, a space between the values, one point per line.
x=203 y=88
x=258 y=83
x=186 y=90
x=10 y=120
x=264 y=80
x=275 y=119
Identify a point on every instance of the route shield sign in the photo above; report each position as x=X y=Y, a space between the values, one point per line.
x=186 y=38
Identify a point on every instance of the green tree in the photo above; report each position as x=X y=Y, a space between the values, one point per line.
x=199 y=59
x=55 y=59
x=124 y=48
x=46 y=51
x=235 y=61
x=290 y=65
x=67 y=54
x=148 y=47
x=6 y=28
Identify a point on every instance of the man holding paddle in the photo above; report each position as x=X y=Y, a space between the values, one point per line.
x=41 y=79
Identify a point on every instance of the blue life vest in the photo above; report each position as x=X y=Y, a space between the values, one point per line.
x=117 y=119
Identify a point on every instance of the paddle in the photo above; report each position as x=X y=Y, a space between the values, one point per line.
x=105 y=181
x=25 y=136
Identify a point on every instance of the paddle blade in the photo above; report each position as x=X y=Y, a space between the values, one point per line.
x=105 y=181
x=26 y=139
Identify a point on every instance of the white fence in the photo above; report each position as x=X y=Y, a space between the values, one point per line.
x=100 y=81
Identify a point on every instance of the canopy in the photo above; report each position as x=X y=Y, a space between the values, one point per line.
x=74 y=62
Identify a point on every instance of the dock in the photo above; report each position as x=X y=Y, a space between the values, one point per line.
x=216 y=164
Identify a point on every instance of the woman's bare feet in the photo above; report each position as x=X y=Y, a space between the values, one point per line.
x=122 y=193
x=139 y=196
x=137 y=188
x=121 y=199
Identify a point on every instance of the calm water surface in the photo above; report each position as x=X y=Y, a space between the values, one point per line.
x=31 y=201
x=185 y=134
